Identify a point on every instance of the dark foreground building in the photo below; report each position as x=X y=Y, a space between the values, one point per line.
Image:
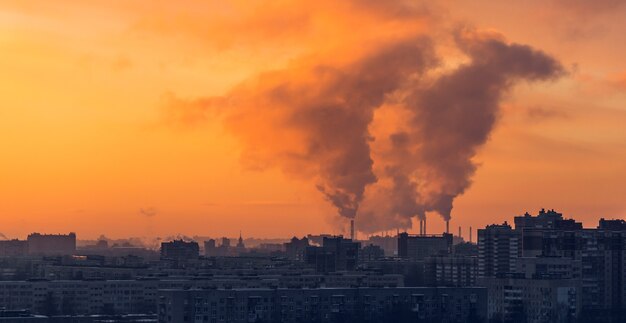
x=552 y=269
x=409 y=304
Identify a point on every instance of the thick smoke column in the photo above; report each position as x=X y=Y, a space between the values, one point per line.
x=313 y=121
x=455 y=115
x=429 y=163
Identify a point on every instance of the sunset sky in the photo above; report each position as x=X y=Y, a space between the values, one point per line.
x=152 y=118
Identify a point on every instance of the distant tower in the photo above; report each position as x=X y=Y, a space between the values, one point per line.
x=424 y=233
x=470 y=234
x=241 y=248
x=459 y=231
x=352 y=229
x=240 y=242
x=447 y=226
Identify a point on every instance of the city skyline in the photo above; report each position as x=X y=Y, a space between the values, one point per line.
x=543 y=267
x=139 y=120
x=466 y=234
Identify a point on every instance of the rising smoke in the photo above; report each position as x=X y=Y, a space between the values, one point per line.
x=447 y=120
x=314 y=121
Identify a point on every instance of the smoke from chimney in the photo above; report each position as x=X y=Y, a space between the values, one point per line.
x=324 y=122
x=442 y=123
x=352 y=229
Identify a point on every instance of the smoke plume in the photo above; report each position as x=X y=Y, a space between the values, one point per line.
x=446 y=120
x=316 y=120
x=312 y=121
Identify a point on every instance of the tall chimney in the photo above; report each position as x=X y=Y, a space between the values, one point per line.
x=447 y=226
x=424 y=227
x=459 y=231
x=470 y=234
x=421 y=226
x=352 y=229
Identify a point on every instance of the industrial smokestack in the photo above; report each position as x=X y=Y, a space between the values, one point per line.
x=352 y=229
x=447 y=226
x=459 y=231
x=424 y=227
x=470 y=234
x=421 y=227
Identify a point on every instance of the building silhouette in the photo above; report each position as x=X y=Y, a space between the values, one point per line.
x=547 y=259
x=418 y=247
x=296 y=248
x=414 y=304
x=51 y=244
x=13 y=248
x=179 y=250
x=210 y=249
x=498 y=250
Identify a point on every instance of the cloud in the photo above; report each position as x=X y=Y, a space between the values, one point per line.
x=588 y=8
x=148 y=211
x=576 y=19
x=542 y=113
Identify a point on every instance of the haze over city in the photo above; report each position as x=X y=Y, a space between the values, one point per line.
x=326 y=161
x=152 y=118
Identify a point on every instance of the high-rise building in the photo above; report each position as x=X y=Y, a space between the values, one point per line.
x=387 y=242
x=51 y=244
x=209 y=248
x=551 y=249
x=514 y=298
x=450 y=271
x=346 y=252
x=13 y=248
x=547 y=234
x=335 y=254
x=241 y=247
x=324 y=261
x=418 y=247
x=180 y=250
x=296 y=248
x=498 y=250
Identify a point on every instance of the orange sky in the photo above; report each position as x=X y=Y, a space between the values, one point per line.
x=88 y=141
